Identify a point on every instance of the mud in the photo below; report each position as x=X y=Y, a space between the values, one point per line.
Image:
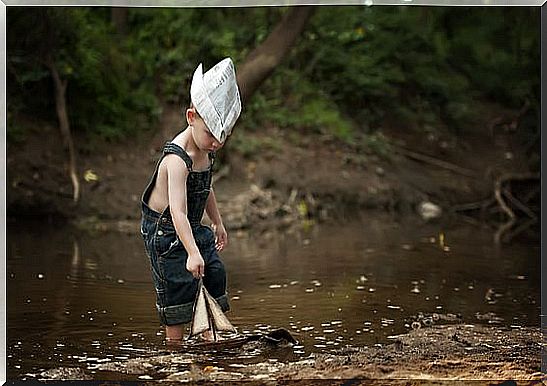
x=428 y=355
x=299 y=177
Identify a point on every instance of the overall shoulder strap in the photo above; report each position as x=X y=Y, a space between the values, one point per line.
x=172 y=148
x=212 y=156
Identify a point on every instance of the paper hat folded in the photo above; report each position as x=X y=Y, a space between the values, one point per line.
x=216 y=97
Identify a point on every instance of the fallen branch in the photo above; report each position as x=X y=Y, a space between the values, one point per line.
x=482 y=204
x=519 y=204
x=498 y=186
x=434 y=161
x=471 y=220
x=508 y=178
x=501 y=201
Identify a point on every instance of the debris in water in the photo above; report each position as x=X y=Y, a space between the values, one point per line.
x=488 y=296
x=274 y=286
x=429 y=210
x=441 y=240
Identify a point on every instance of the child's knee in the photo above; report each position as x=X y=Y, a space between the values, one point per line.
x=215 y=278
x=216 y=270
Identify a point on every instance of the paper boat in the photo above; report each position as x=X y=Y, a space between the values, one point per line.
x=207 y=315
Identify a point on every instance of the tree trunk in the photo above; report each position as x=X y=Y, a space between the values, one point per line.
x=118 y=17
x=60 y=104
x=262 y=61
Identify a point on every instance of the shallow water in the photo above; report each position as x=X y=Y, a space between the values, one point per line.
x=79 y=300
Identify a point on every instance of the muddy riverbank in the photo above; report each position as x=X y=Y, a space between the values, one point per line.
x=432 y=354
x=272 y=177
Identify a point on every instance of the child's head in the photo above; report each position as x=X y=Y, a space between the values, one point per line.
x=216 y=103
x=203 y=137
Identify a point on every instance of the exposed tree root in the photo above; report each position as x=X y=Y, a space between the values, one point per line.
x=506 y=202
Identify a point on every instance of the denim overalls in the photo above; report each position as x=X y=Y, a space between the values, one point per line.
x=175 y=286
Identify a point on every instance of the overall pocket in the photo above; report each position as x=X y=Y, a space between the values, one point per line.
x=165 y=239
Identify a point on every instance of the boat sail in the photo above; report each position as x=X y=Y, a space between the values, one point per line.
x=207 y=315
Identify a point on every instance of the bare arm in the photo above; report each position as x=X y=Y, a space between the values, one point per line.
x=176 y=188
x=212 y=209
x=221 y=237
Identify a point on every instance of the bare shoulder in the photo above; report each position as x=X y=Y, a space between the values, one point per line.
x=174 y=165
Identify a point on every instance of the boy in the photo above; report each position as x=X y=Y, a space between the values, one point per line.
x=180 y=249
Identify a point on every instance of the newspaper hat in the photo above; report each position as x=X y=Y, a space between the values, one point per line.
x=216 y=97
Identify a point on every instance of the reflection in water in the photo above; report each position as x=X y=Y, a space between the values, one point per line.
x=81 y=300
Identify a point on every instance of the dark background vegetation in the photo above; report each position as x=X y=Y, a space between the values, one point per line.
x=350 y=70
x=332 y=90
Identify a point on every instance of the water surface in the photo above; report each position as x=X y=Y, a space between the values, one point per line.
x=78 y=300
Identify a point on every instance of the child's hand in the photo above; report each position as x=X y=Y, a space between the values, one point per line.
x=196 y=265
x=221 y=237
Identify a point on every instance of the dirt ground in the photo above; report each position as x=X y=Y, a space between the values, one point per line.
x=461 y=354
x=286 y=169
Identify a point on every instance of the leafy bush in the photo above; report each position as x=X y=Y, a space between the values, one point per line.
x=352 y=68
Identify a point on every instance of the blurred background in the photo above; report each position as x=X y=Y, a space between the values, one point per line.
x=384 y=171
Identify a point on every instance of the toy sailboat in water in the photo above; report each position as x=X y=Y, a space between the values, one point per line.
x=208 y=316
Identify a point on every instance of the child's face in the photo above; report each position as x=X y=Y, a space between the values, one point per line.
x=203 y=138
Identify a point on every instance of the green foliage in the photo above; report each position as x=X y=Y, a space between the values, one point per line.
x=353 y=68
x=250 y=146
x=378 y=144
x=293 y=103
x=103 y=96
